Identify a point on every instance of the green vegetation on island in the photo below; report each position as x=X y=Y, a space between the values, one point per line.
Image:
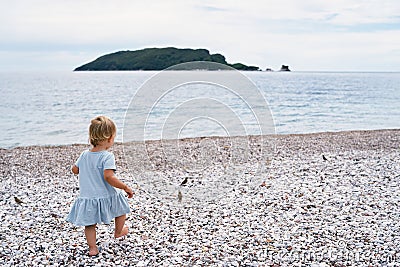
x=156 y=59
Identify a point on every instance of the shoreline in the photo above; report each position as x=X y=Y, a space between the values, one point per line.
x=333 y=195
x=218 y=137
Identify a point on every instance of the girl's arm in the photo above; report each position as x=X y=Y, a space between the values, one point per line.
x=75 y=169
x=110 y=178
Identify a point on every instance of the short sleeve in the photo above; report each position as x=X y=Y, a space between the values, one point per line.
x=109 y=162
x=77 y=162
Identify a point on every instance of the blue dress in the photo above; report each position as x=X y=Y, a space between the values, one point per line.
x=98 y=201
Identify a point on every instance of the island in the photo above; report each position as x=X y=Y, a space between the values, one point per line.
x=156 y=59
x=284 y=68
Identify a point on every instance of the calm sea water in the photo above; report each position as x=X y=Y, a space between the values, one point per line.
x=55 y=108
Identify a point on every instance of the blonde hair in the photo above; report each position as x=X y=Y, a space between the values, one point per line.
x=101 y=128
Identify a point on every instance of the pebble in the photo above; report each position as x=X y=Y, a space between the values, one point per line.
x=308 y=212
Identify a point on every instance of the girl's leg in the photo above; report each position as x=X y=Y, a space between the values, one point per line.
x=120 y=228
x=90 y=233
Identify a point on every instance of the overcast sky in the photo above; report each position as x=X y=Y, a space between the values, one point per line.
x=307 y=35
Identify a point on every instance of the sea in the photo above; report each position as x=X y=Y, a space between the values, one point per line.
x=55 y=108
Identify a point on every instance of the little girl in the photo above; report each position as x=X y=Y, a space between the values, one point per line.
x=99 y=201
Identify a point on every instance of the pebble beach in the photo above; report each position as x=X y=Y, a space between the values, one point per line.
x=327 y=199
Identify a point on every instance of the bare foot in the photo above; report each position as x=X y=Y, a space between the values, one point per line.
x=123 y=232
x=93 y=251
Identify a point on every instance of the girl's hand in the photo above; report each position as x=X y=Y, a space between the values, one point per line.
x=113 y=181
x=75 y=169
x=129 y=191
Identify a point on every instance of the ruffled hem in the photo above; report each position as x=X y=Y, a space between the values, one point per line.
x=89 y=211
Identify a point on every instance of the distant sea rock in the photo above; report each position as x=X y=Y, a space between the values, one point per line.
x=156 y=59
x=284 y=68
